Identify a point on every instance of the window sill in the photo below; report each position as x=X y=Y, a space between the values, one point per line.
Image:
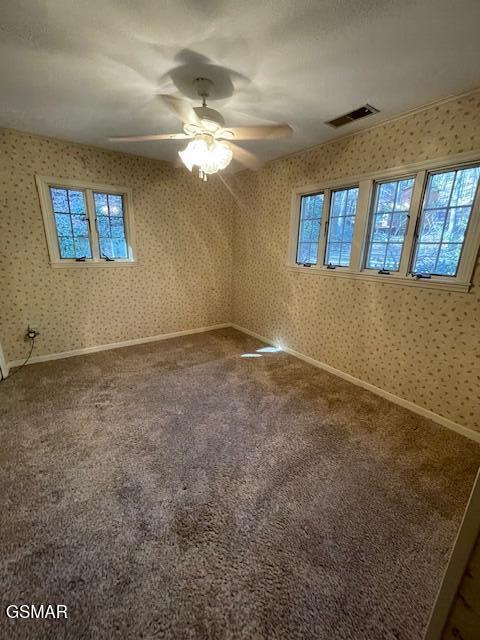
x=405 y=281
x=95 y=264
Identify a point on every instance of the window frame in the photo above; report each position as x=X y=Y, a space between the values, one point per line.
x=470 y=246
x=43 y=186
x=371 y=214
x=365 y=182
x=299 y=225
x=332 y=190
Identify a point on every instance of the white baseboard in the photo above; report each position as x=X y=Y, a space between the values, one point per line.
x=422 y=411
x=116 y=345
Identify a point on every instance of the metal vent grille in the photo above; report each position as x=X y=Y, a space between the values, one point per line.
x=356 y=114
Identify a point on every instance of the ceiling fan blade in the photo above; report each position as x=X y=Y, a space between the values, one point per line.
x=181 y=108
x=158 y=136
x=264 y=132
x=245 y=157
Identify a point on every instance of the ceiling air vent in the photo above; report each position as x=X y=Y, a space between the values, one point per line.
x=356 y=114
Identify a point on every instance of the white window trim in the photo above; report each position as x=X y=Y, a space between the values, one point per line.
x=419 y=170
x=43 y=185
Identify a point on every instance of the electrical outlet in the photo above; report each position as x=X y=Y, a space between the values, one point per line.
x=32 y=332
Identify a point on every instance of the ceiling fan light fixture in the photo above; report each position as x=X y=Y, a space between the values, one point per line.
x=195 y=153
x=219 y=157
x=210 y=156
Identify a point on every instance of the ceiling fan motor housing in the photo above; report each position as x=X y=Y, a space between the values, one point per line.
x=210 y=122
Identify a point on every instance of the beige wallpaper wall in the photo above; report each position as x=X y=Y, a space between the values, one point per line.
x=419 y=344
x=464 y=619
x=184 y=249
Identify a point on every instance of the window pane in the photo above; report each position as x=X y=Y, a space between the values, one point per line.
x=343 y=208
x=333 y=253
x=103 y=226
x=386 y=196
x=106 y=248
x=338 y=204
x=76 y=201
x=111 y=226
x=336 y=229
x=381 y=228
x=59 y=200
x=404 y=195
x=398 y=227
x=82 y=248
x=101 y=204
x=444 y=220
x=426 y=257
x=456 y=225
x=62 y=222
x=348 y=228
x=80 y=226
x=392 y=256
x=448 y=258
x=388 y=224
x=432 y=224
x=345 y=251
x=311 y=209
x=377 y=255
x=116 y=228
x=115 y=205
x=439 y=190
x=71 y=223
x=67 y=248
x=120 y=248
x=465 y=187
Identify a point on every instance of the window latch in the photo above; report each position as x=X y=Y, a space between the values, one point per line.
x=108 y=259
x=420 y=276
x=384 y=272
x=82 y=259
x=331 y=266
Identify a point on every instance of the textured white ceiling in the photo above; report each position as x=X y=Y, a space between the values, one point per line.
x=90 y=69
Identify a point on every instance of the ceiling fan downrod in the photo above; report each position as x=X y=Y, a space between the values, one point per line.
x=204 y=88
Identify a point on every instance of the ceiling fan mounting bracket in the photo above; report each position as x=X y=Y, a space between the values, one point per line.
x=204 y=88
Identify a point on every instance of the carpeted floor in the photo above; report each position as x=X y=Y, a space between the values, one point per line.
x=179 y=490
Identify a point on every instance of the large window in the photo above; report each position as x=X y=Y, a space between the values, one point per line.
x=388 y=224
x=85 y=224
x=446 y=212
x=311 y=210
x=419 y=226
x=341 y=222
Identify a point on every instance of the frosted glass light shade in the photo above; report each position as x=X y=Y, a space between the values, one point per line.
x=209 y=158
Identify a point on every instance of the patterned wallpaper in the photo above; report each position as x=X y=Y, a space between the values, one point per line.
x=464 y=618
x=420 y=344
x=183 y=233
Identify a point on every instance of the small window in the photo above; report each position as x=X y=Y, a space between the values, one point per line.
x=85 y=225
x=311 y=210
x=341 y=221
x=445 y=216
x=71 y=223
x=388 y=224
x=110 y=225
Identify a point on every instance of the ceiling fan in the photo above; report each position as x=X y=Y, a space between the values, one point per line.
x=211 y=148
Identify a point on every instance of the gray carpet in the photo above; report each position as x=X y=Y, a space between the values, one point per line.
x=178 y=490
